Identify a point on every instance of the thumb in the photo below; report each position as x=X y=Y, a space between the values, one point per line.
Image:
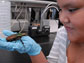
x=8 y=32
x=7 y=45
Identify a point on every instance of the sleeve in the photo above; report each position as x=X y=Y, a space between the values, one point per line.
x=59 y=43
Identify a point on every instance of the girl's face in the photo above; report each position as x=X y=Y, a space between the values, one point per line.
x=72 y=16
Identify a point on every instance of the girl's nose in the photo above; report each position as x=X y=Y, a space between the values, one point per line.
x=63 y=17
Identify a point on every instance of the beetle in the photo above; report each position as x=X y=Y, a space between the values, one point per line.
x=15 y=36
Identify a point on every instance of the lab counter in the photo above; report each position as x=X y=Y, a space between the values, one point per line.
x=15 y=57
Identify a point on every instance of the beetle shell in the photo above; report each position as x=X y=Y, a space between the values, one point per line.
x=15 y=36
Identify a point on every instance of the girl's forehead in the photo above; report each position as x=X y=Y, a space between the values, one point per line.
x=64 y=3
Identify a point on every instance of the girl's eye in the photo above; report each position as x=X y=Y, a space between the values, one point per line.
x=73 y=10
x=60 y=10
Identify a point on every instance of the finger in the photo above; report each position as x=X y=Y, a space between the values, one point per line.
x=8 y=32
x=27 y=40
x=7 y=46
x=3 y=39
x=19 y=47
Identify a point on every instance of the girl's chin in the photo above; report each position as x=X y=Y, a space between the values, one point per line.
x=75 y=40
x=72 y=39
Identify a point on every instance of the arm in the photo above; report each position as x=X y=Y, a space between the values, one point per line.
x=40 y=58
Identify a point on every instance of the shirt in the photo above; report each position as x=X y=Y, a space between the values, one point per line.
x=58 y=50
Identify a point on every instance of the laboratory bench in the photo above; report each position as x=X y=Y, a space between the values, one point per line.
x=15 y=57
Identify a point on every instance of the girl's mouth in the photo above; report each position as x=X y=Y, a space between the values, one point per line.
x=68 y=28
